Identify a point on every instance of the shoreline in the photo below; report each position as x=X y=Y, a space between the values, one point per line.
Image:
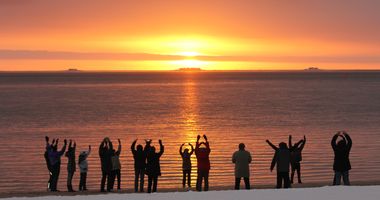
x=168 y=190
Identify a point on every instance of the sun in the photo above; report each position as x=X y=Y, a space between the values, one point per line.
x=189 y=63
x=189 y=53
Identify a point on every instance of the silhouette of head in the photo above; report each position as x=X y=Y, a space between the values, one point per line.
x=139 y=147
x=54 y=147
x=341 y=144
x=283 y=145
x=186 y=151
x=241 y=146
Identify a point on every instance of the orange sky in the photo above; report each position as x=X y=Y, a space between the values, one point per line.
x=168 y=34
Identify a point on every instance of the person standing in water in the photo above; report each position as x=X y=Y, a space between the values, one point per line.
x=296 y=157
x=83 y=167
x=186 y=164
x=341 y=157
x=203 y=162
x=153 y=168
x=55 y=163
x=70 y=154
x=116 y=166
x=139 y=156
x=281 y=159
x=242 y=159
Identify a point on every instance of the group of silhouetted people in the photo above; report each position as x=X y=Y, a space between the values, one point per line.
x=287 y=158
x=110 y=164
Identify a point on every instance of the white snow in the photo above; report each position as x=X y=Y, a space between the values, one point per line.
x=322 y=193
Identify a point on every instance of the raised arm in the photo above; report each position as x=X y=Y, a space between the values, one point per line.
x=303 y=143
x=249 y=158
x=349 y=140
x=290 y=142
x=133 y=146
x=192 y=149
x=161 y=148
x=63 y=148
x=89 y=150
x=333 y=141
x=272 y=145
x=56 y=141
x=180 y=150
x=47 y=140
x=234 y=158
x=207 y=143
x=197 y=143
x=118 y=147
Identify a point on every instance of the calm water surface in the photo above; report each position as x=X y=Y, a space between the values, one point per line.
x=229 y=107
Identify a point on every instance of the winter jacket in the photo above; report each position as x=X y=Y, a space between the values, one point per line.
x=46 y=156
x=186 y=158
x=203 y=160
x=82 y=161
x=105 y=154
x=116 y=159
x=70 y=154
x=296 y=152
x=153 y=165
x=139 y=157
x=55 y=156
x=241 y=159
x=341 y=155
x=281 y=159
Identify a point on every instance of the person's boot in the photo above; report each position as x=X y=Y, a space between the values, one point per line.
x=70 y=188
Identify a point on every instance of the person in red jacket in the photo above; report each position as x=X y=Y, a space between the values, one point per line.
x=203 y=163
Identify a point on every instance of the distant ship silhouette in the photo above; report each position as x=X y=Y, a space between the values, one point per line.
x=72 y=70
x=312 y=69
x=189 y=69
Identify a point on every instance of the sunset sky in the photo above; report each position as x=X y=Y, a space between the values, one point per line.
x=168 y=34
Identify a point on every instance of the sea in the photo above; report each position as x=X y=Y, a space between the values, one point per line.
x=229 y=107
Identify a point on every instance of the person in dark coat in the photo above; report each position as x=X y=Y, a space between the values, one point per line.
x=105 y=154
x=341 y=157
x=153 y=169
x=203 y=163
x=242 y=159
x=296 y=157
x=139 y=155
x=281 y=159
x=55 y=163
x=70 y=154
x=116 y=166
x=46 y=156
x=186 y=164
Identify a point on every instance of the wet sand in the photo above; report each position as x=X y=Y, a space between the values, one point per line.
x=126 y=191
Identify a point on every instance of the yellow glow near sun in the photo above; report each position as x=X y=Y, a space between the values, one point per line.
x=189 y=46
x=189 y=53
x=189 y=63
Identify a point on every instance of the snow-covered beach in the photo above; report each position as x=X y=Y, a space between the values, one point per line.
x=319 y=193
